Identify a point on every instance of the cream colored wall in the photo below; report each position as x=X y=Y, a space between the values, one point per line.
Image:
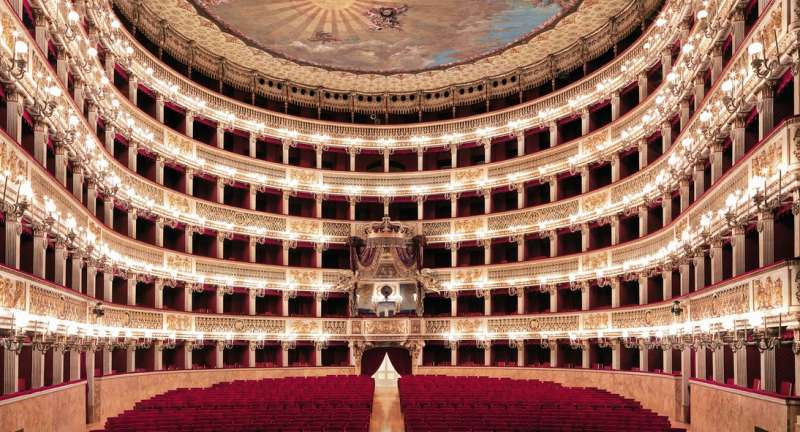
x=660 y=393
x=61 y=409
x=117 y=393
x=717 y=408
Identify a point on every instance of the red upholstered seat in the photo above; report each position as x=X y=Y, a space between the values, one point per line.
x=333 y=403
x=505 y=405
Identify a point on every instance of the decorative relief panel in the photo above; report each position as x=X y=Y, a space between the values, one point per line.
x=239 y=325
x=12 y=293
x=596 y=321
x=338 y=327
x=440 y=326
x=765 y=162
x=595 y=261
x=768 y=293
x=178 y=202
x=176 y=322
x=468 y=276
x=386 y=327
x=53 y=304
x=304 y=326
x=11 y=162
x=660 y=316
x=303 y=277
x=179 y=263
x=727 y=301
x=467 y=325
x=131 y=319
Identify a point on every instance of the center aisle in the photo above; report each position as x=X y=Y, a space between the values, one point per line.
x=386 y=414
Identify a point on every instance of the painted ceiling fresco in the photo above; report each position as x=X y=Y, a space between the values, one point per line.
x=382 y=36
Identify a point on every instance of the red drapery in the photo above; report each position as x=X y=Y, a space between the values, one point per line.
x=371 y=360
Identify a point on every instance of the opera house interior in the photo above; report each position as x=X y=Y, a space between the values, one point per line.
x=411 y=215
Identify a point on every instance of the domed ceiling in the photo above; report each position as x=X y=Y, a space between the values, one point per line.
x=381 y=36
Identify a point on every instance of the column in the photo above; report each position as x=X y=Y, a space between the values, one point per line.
x=453 y=205
x=553 y=182
x=108 y=211
x=615 y=168
x=158 y=355
x=553 y=300
x=716 y=61
x=584 y=178
x=285 y=246
x=284 y=354
x=553 y=134
x=615 y=105
x=160 y=108
x=252 y=194
x=453 y=304
x=189 y=123
x=220 y=137
x=684 y=273
x=62 y=64
x=158 y=301
x=718 y=364
x=10 y=371
x=615 y=229
x=91 y=277
x=91 y=196
x=40 y=137
x=700 y=363
x=520 y=300
x=740 y=367
x=37 y=368
x=699 y=179
x=420 y=159
x=60 y=264
x=132 y=217
x=251 y=302
x=584 y=237
x=586 y=355
x=666 y=209
x=285 y=203
x=285 y=150
x=699 y=271
x=585 y=119
x=39 y=250
x=219 y=300
x=187 y=356
x=766 y=108
x=351 y=208
x=521 y=353
x=666 y=136
x=130 y=359
x=78 y=96
x=285 y=303
x=453 y=156
x=219 y=356
x=699 y=90
x=60 y=163
x=133 y=152
x=586 y=299
x=738 y=27
x=666 y=360
x=487 y=353
x=187 y=299
x=715 y=253
x=487 y=149
x=159 y=231
x=89 y=365
x=616 y=354
x=75 y=364
x=487 y=302
x=131 y=290
x=188 y=232
x=251 y=354
x=666 y=284
x=738 y=243
x=133 y=89
x=520 y=136
x=644 y=359
x=685 y=113
x=684 y=193
x=666 y=61
x=318 y=304
x=220 y=192
x=643 y=290
x=77 y=182
x=352 y=151
x=737 y=136
x=768 y=375
x=643 y=222
x=14 y=113
x=716 y=161
x=108 y=285
x=453 y=354
x=766 y=238
x=615 y=293
x=386 y=153
x=77 y=271
x=642 y=81
x=91 y=117
x=251 y=145
x=686 y=369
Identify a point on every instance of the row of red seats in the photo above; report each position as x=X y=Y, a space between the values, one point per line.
x=332 y=403
x=463 y=404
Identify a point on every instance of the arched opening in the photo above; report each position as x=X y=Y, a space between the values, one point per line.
x=400 y=358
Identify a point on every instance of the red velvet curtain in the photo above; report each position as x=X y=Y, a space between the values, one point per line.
x=371 y=360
